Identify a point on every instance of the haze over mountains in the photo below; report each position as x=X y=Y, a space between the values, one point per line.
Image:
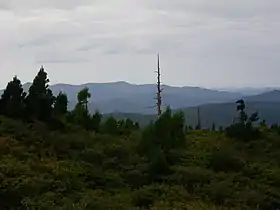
x=123 y=97
x=137 y=101
x=129 y=98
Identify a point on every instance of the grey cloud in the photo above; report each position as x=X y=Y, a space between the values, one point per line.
x=58 y=60
x=37 y=4
x=195 y=37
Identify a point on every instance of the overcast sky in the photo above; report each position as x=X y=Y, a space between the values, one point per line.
x=206 y=43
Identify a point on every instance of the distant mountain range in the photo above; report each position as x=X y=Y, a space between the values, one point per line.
x=222 y=114
x=247 y=91
x=129 y=98
x=123 y=100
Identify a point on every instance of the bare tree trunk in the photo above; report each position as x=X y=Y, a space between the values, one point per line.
x=159 y=90
x=198 y=119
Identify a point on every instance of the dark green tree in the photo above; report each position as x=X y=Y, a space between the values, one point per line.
x=60 y=105
x=110 y=126
x=243 y=116
x=12 y=100
x=40 y=99
x=96 y=119
x=126 y=127
x=213 y=127
x=80 y=114
x=166 y=134
x=243 y=128
x=136 y=125
x=83 y=97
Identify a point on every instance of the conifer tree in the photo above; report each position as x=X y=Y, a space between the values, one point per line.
x=40 y=98
x=96 y=119
x=12 y=100
x=83 y=97
x=213 y=127
x=243 y=116
x=111 y=126
x=136 y=125
x=80 y=113
x=60 y=105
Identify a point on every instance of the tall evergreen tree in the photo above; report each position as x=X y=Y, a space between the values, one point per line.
x=81 y=114
x=40 y=98
x=60 y=105
x=213 y=127
x=243 y=116
x=12 y=100
x=96 y=119
x=83 y=97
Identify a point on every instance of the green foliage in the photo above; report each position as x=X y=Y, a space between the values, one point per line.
x=166 y=133
x=243 y=129
x=12 y=100
x=224 y=160
x=74 y=160
x=60 y=105
x=81 y=116
x=40 y=99
x=77 y=169
x=213 y=127
x=96 y=119
x=159 y=139
x=83 y=97
x=110 y=126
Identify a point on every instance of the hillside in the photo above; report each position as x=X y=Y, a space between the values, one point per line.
x=270 y=96
x=74 y=169
x=248 y=91
x=53 y=158
x=221 y=114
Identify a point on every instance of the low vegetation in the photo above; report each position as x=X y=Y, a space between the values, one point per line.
x=52 y=158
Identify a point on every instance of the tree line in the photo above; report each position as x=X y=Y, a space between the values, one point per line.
x=40 y=104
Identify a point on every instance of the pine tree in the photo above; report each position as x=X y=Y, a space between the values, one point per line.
x=111 y=126
x=213 y=127
x=40 y=98
x=243 y=116
x=83 y=97
x=80 y=113
x=243 y=129
x=96 y=119
x=12 y=100
x=60 y=105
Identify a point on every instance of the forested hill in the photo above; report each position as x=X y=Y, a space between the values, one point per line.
x=221 y=114
x=53 y=158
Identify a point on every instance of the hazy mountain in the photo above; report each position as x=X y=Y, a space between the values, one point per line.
x=137 y=101
x=130 y=98
x=271 y=96
x=222 y=114
x=247 y=91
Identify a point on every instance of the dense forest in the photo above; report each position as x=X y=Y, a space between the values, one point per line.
x=53 y=158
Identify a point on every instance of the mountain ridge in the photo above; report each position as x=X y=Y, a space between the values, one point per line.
x=126 y=97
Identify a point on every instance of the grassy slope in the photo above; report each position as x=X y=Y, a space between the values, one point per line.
x=80 y=170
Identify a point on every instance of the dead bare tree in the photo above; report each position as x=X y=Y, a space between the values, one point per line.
x=159 y=89
x=198 y=126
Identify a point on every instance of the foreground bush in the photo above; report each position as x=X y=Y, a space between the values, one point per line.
x=78 y=169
